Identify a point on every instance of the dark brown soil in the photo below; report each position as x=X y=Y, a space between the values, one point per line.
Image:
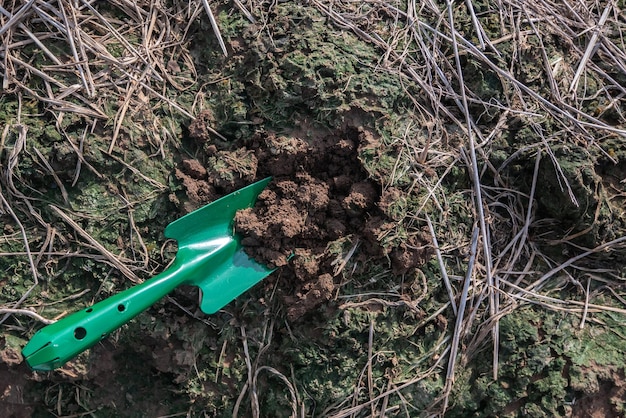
x=199 y=128
x=13 y=380
x=196 y=186
x=605 y=400
x=320 y=193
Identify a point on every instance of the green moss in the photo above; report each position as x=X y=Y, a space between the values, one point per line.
x=315 y=72
x=545 y=362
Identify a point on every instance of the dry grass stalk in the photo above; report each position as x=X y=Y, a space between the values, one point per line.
x=215 y=26
x=7 y=207
x=26 y=312
x=254 y=370
x=492 y=284
x=459 y=324
x=442 y=266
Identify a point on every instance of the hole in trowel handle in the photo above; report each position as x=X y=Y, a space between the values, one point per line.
x=80 y=333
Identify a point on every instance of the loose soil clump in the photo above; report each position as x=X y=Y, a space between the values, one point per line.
x=320 y=193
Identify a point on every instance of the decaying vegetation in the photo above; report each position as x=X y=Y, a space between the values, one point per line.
x=498 y=131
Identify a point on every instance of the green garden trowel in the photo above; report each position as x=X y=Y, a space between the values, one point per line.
x=209 y=256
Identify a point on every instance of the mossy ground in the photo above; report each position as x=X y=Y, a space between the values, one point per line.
x=382 y=338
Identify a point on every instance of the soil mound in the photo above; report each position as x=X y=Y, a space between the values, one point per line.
x=320 y=193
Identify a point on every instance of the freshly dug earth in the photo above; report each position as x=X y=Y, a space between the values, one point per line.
x=319 y=194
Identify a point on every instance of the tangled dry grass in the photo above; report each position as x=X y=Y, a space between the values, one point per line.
x=85 y=57
x=561 y=64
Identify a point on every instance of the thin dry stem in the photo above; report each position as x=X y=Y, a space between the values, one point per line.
x=34 y=315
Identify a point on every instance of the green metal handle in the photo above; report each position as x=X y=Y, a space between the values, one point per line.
x=55 y=344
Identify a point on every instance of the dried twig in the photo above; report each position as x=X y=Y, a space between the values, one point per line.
x=26 y=312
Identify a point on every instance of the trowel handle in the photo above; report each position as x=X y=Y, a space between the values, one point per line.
x=61 y=341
